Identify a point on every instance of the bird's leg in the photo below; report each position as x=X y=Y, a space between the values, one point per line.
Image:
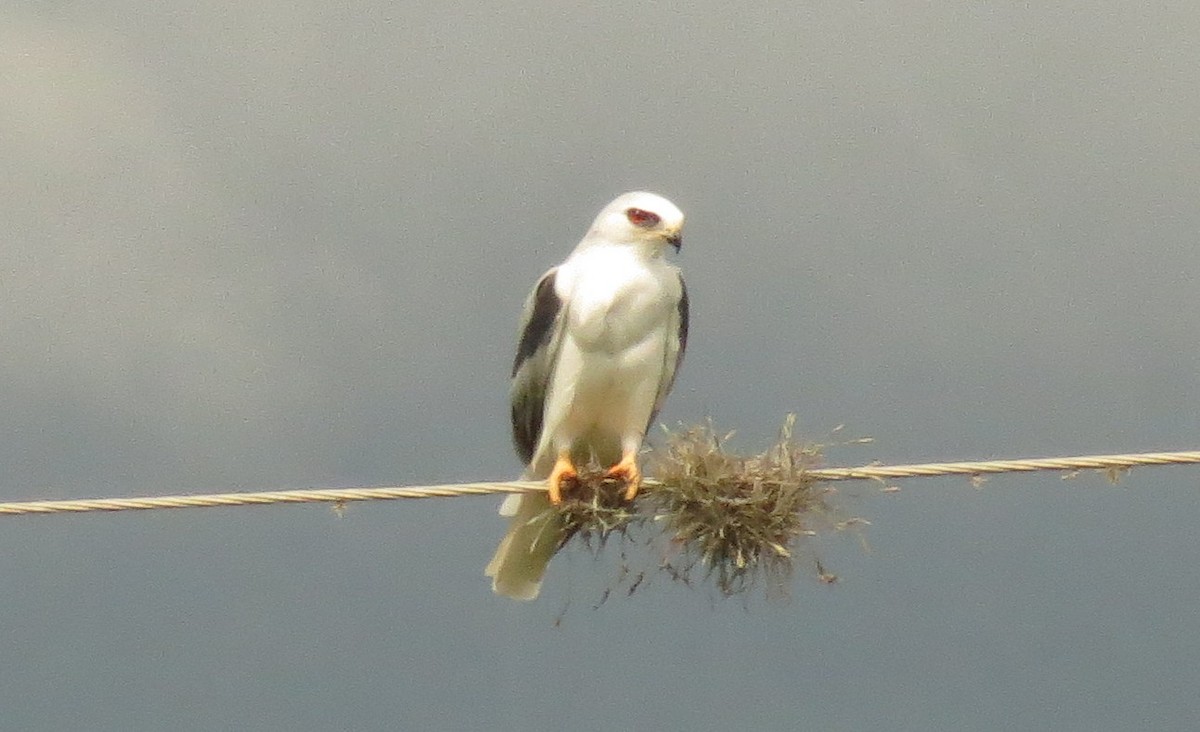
x=628 y=471
x=563 y=470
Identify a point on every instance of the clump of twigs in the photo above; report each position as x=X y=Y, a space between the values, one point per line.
x=734 y=518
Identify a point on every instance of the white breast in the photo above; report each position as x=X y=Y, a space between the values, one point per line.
x=616 y=299
x=619 y=307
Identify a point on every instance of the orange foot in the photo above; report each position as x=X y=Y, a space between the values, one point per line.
x=628 y=471
x=564 y=470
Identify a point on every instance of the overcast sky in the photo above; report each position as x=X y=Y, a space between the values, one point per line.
x=278 y=245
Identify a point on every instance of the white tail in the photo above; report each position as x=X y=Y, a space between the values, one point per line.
x=533 y=536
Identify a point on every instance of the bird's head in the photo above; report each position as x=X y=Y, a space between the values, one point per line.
x=643 y=219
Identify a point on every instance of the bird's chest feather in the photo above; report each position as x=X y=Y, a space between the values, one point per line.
x=615 y=306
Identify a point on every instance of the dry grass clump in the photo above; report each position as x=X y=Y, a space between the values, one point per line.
x=732 y=518
x=593 y=509
x=736 y=517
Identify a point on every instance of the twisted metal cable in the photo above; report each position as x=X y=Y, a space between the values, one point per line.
x=311 y=495
x=345 y=495
x=1083 y=462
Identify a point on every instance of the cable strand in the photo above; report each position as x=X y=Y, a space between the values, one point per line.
x=344 y=495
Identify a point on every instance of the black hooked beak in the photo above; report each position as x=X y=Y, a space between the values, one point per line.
x=675 y=240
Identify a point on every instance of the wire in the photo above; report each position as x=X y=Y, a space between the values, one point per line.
x=345 y=495
x=1084 y=462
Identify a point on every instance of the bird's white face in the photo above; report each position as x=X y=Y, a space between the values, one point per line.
x=640 y=218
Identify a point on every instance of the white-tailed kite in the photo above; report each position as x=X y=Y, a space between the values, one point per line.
x=601 y=338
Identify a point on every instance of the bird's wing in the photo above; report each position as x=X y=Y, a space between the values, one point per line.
x=533 y=368
x=676 y=334
x=534 y=531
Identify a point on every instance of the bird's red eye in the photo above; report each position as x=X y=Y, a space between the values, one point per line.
x=642 y=218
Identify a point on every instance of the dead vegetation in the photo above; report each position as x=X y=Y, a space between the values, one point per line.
x=710 y=514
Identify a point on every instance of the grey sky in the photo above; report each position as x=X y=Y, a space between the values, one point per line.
x=278 y=245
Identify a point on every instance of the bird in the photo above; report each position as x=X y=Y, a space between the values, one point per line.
x=602 y=336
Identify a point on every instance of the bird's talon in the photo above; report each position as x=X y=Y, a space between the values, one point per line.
x=628 y=471
x=563 y=471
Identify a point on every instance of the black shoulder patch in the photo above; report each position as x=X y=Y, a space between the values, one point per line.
x=683 y=317
x=527 y=422
x=546 y=305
